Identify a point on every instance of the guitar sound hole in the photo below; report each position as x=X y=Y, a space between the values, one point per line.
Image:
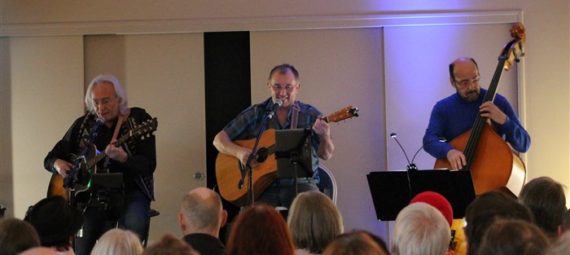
x=261 y=155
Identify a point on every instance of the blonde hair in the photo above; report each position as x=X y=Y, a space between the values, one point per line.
x=119 y=242
x=314 y=221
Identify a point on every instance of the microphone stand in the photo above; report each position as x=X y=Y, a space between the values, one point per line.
x=248 y=168
x=409 y=168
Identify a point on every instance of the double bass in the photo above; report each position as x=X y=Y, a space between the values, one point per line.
x=492 y=162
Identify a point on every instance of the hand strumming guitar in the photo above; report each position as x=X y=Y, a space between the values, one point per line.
x=62 y=167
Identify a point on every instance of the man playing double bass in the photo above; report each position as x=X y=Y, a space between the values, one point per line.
x=454 y=115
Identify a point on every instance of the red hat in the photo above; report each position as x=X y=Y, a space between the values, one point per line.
x=436 y=200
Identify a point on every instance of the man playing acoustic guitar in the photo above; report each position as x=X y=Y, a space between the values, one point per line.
x=284 y=85
x=108 y=121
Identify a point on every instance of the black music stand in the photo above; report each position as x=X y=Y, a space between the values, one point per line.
x=392 y=190
x=293 y=153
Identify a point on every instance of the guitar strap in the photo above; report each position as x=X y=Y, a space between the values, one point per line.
x=118 y=127
x=294 y=116
x=121 y=119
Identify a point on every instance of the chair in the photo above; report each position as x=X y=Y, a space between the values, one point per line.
x=327 y=183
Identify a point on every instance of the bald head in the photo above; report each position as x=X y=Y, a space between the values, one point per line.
x=201 y=211
x=464 y=77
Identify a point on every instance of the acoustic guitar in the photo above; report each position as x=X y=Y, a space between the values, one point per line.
x=492 y=162
x=230 y=172
x=78 y=179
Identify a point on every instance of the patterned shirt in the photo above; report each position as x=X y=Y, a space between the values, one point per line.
x=248 y=122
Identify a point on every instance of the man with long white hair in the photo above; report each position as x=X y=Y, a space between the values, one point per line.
x=108 y=119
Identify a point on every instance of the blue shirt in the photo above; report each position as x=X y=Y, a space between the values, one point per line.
x=453 y=116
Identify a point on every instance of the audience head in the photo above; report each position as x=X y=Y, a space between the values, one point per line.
x=314 y=221
x=513 y=237
x=485 y=210
x=438 y=201
x=201 y=211
x=546 y=200
x=566 y=221
x=356 y=243
x=16 y=236
x=561 y=246
x=40 y=251
x=260 y=229
x=170 y=245
x=420 y=229
x=118 y=241
x=55 y=221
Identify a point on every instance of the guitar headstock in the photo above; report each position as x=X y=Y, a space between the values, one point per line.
x=342 y=114
x=515 y=49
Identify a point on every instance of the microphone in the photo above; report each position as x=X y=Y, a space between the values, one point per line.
x=95 y=129
x=276 y=104
x=411 y=165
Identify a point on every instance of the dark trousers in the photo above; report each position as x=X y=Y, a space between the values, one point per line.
x=134 y=216
x=282 y=192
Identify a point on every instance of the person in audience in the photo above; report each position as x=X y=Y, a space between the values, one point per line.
x=260 y=229
x=56 y=223
x=566 y=221
x=513 y=237
x=356 y=243
x=457 y=243
x=170 y=245
x=200 y=217
x=561 y=246
x=39 y=251
x=118 y=241
x=16 y=236
x=436 y=200
x=420 y=229
x=314 y=221
x=546 y=200
x=485 y=210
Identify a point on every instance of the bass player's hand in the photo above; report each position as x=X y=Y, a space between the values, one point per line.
x=62 y=167
x=456 y=159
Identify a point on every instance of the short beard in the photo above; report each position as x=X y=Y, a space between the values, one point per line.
x=471 y=96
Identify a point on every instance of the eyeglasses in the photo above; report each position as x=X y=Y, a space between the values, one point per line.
x=467 y=82
x=288 y=87
x=104 y=101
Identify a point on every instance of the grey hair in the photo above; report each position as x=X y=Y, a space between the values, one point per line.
x=118 y=241
x=420 y=229
x=119 y=91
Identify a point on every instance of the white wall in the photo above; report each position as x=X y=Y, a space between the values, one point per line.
x=547 y=92
x=46 y=90
x=337 y=68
